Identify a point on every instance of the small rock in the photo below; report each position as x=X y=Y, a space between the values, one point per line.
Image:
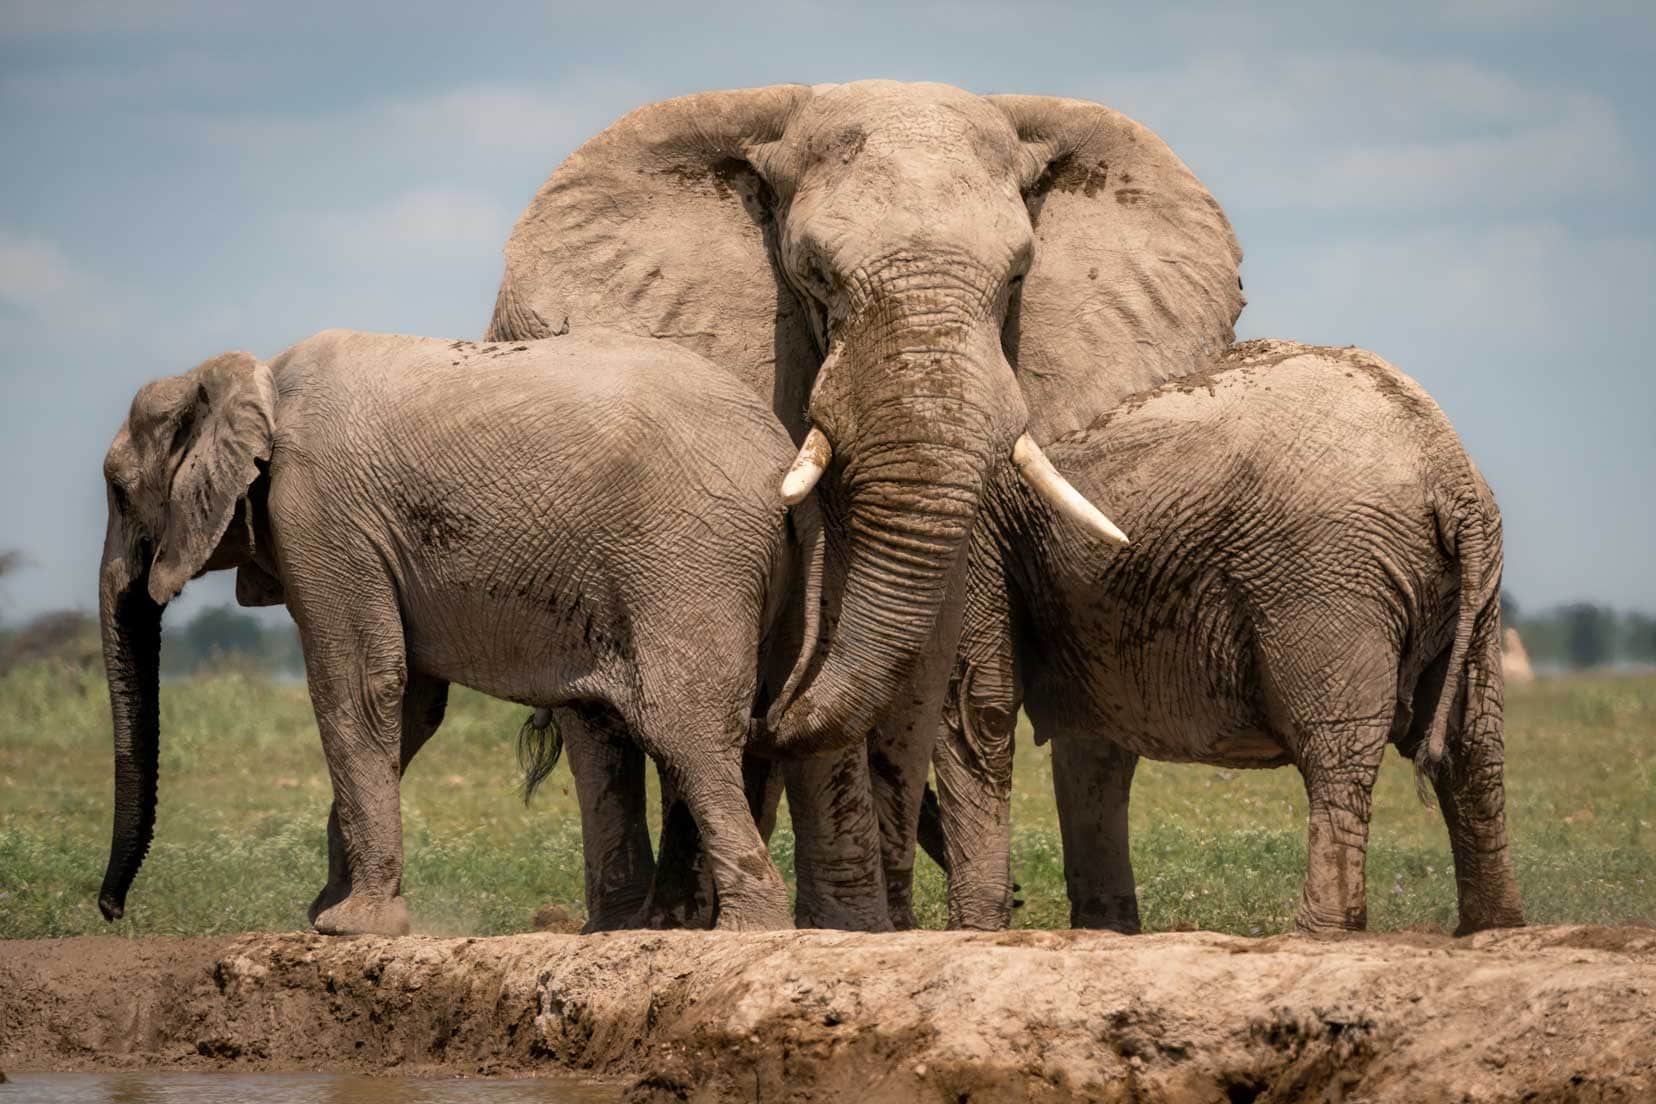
x=920 y=1069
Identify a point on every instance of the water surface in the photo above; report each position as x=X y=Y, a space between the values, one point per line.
x=137 y=1087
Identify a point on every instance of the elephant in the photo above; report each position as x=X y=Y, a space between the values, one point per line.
x=591 y=522
x=1315 y=573
x=926 y=285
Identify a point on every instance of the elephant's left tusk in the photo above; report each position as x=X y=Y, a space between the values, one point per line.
x=1044 y=479
x=807 y=467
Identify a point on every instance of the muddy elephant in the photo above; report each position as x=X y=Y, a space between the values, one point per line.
x=1315 y=574
x=924 y=284
x=554 y=523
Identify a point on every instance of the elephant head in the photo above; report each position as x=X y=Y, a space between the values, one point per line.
x=922 y=280
x=177 y=475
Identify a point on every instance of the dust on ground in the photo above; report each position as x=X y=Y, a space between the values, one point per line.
x=1538 y=1014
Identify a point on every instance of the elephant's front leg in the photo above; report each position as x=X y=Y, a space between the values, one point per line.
x=424 y=704
x=900 y=755
x=973 y=761
x=356 y=670
x=837 y=873
x=608 y=766
x=1092 y=779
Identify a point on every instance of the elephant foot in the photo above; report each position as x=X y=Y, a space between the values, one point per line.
x=1508 y=916
x=1117 y=913
x=769 y=918
x=357 y=915
x=614 y=919
x=1321 y=924
x=765 y=910
x=329 y=896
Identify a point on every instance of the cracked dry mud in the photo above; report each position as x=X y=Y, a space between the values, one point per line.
x=1540 y=1014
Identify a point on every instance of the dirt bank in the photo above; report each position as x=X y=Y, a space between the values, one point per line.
x=1537 y=1015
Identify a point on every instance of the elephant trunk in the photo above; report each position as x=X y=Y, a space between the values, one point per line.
x=131 y=623
x=913 y=470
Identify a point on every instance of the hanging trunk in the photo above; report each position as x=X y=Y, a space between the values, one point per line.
x=131 y=623
x=911 y=481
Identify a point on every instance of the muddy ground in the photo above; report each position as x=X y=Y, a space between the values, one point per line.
x=1543 y=1014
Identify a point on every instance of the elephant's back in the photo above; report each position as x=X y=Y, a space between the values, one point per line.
x=597 y=394
x=1271 y=420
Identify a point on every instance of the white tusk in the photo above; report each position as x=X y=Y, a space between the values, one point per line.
x=1039 y=473
x=807 y=467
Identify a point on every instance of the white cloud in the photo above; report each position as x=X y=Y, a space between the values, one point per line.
x=32 y=269
x=437 y=221
x=438 y=130
x=1366 y=131
x=1534 y=286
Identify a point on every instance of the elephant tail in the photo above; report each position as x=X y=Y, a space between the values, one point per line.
x=1469 y=527
x=805 y=551
x=540 y=743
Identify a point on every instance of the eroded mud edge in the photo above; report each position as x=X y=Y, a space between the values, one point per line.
x=1539 y=1014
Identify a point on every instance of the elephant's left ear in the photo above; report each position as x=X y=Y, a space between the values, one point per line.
x=1135 y=278
x=223 y=427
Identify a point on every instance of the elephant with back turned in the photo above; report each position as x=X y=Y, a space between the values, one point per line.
x=552 y=523
x=925 y=284
x=1315 y=574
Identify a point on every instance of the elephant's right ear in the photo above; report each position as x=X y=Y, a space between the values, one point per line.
x=1135 y=279
x=662 y=226
x=221 y=427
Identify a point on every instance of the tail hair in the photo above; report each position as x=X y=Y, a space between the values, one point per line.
x=540 y=743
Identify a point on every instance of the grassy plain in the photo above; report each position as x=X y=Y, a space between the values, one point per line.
x=244 y=798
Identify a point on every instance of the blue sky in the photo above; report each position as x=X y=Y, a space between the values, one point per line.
x=1463 y=187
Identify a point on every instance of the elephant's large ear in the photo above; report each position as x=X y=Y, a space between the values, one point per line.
x=661 y=225
x=217 y=426
x=1135 y=278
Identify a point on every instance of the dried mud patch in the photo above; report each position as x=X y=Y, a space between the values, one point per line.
x=1539 y=1014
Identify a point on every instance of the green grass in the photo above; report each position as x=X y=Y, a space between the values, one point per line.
x=244 y=797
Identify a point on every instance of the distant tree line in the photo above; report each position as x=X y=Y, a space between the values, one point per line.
x=214 y=637
x=1574 y=636
x=1582 y=634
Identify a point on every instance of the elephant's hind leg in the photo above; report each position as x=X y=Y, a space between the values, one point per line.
x=1471 y=790
x=1332 y=702
x=424 y=703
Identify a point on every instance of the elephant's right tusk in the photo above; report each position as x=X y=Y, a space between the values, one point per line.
x=1044 y=479
x=807 y=467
